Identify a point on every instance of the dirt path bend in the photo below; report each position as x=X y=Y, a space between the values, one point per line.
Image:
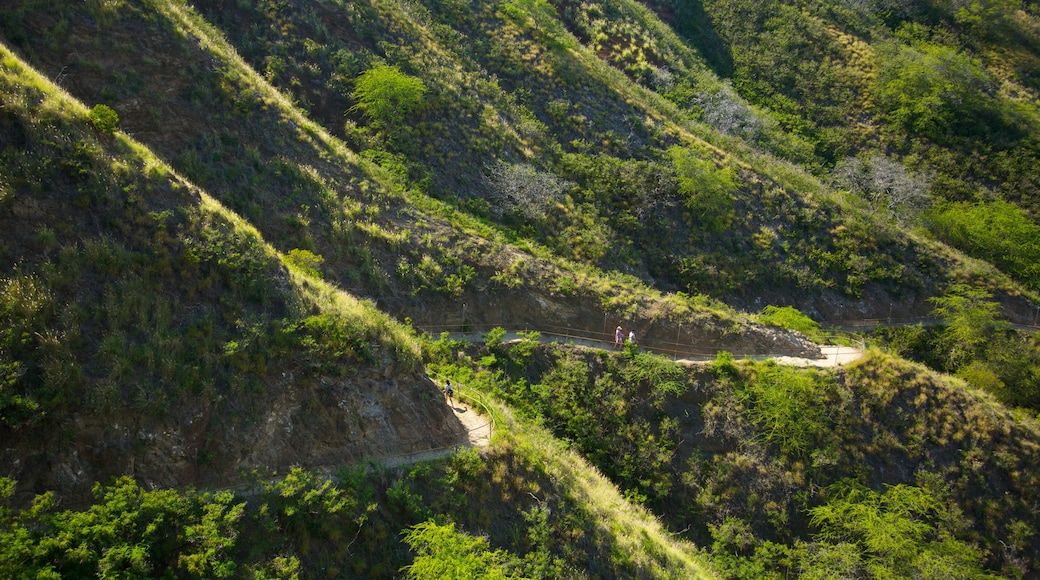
x=478 y=434
x=834 y=356
x=479 y=426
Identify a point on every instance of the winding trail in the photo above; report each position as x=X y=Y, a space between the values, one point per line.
x=832 y=355
x=479 y=427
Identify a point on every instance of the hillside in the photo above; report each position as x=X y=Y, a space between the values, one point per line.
x=566 y=168
x=225 y=229
x=150 y=332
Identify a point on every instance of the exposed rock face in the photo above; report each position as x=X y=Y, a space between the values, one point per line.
x=314 y=423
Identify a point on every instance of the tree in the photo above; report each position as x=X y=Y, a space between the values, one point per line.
x=885 y=184
x=899 y=533
x=518 y=187
x=706 y=188
x=387 y=95
x=443 y=553
x=933 y=90
x=971 y=321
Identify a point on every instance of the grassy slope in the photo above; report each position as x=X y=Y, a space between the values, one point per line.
x=302 y=188
x=551 y=103
x=133 y=298
x=262 y=162
x=782 y=244
x=128 y=297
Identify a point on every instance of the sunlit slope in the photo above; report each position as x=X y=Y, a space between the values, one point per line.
x=150 y=331
x=229 y=131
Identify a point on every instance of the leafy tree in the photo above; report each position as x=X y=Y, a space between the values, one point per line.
x=903 y=532
x=786 y=404
x=933 y=90
x=128 y=533
x=971 y=321
x=444 y=553
x=387 y=95
x=707 y=189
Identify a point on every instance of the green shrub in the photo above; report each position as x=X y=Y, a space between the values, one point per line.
x=387 y=95
x=443 y=552
x=307 y=261
x=787 y=405
x=999 y=232
x=707 y=189
x=790 y=318
x=104 y=118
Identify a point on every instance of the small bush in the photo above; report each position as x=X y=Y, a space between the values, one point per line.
x=387 y=95
x=788 y=317
x=104 y=118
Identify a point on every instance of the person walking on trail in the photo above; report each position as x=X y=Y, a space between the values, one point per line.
x=449 y=393
x=618 y=336
x=632 y=336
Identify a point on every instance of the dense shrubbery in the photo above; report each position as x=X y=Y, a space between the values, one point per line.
x=999 y=232
x=975 y=344
x=726 y=454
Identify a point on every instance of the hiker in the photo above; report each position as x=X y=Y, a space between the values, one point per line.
x=632 y=336
x=449 y=393
x=618 y=337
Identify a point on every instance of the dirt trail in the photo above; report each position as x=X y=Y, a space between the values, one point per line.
x=478 y=434
x=833 y=356
x=479 y=426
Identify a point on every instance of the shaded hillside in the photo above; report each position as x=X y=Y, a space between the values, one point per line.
x=148 y=331
x=521 y=103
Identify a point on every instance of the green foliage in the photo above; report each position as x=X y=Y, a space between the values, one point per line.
x=999 y=232
x=307 y=261
x=903 y=532
x=443 y=552
x=494 y=337
x=104 y=118
x=326 y=341
x=130 y=532
x=933 y=90
x=724 y=365
x=706 y=188
x=664 y=378
x=971 y=320
x=790 y=318
x=387 y=95
x=787 y=405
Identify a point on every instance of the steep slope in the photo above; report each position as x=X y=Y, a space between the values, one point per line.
x=604 y=170
x=148 y=331
x=237 y=137
x=753 y=458
x=751 y=232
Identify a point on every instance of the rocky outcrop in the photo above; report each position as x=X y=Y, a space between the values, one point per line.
x=211 y=443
